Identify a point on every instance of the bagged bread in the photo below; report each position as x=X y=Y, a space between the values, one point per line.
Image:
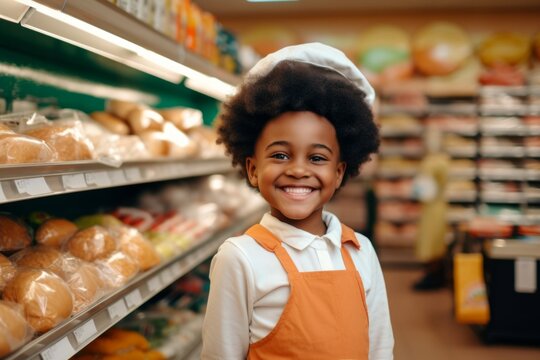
x=54 y=232
x=132 y=243
x=14 y=234
x=91 y=243
x=14 y=330
x=86 y=284
x=68 y=141
x=20 y=149
x=40 y=257
x=7 y=271
x=142 y=119
x=183 y=118
x=44 y=296
x=117 y=269
x=110 y=122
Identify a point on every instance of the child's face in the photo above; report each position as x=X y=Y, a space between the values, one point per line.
x=297 y=167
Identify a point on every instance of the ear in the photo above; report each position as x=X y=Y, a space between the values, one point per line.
x=340 y=172
x=251 y=170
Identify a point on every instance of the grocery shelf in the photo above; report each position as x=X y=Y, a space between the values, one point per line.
x=70 y=336
x=516 y=174
x=22 y=182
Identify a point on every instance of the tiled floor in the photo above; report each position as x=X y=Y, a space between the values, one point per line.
x=424 y=327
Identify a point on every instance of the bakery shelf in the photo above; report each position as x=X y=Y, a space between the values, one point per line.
x=502 y=151
x=489 y=90
x=404 y=132
x=501 y=197
x=22 y=182
x=401 y=151
x=453 y=109
x=516 y=174
x=70 y=336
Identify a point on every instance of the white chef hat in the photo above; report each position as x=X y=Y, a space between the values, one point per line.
x=319 y=55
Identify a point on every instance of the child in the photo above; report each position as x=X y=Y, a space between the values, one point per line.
x=299 y=285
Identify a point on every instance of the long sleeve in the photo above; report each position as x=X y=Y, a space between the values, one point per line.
x=226 y=324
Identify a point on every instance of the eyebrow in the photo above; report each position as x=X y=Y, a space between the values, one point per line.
x=286 y=143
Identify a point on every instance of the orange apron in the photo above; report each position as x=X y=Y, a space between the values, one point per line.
x=326 y=315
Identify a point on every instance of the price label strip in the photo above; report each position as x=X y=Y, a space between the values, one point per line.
x=134 y=299
x=76 y=181
x=61 y=350
x=32 y=186
x=99 y=178
x=154 y=284
x=117 y=177
x=2 y=196
x=85 y=331
x=117 y=310
x=133 y=174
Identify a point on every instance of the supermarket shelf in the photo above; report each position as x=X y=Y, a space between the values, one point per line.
x=500 y=197
x=401 y=151
x=502 y=174
x=22 y=182
x=70 y=336
x=405 y=132
x=396 y=173
x=502 y=151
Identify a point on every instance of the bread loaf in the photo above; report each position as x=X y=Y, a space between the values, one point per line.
x=91 y=243
x=54 y=232
x=7 y=271
x=117 y=269
x=137 y=247
x=40 y=257
x=13 y=234
x=14 y=330
x=20 y=149
x=66 y=141
x=142 y=119
x=86 y=285
x=110 y=122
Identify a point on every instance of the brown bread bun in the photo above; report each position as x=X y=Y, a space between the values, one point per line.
x=40 y=257
x=111 y=122
x=117 y=269
x=122 y=108
x=45 y=297
x=5 y=129
x=54 y=232
x=14 y=330
x=19 y=149
x=13 y=234
x=137 y=247
x=86 y=285
x=65 y=140
x=7 y=270
x=91 y=243
x=142 y=119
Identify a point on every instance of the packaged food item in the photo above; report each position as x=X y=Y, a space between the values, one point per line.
x=54 y=232
x=183 y=118
x=143 y=119
x=111 y=122
x=117 y=269
x=504 y=48
x=14 y=330
x=20 y=149
x=7 y=271
x=14 y=234
x=86 y=285
x=91 y=244
x=132 y=243
x=68 y=142
x=121 y=108
x=40 y=257
x=44 y=296
x=155 y=143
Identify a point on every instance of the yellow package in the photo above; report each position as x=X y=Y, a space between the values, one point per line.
x=470 y=298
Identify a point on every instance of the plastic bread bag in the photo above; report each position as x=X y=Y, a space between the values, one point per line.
x=117 y=269
x=14 y=329
x=205 y=138
x=65 y=136
x=135 y=245
x=41 y=257
x=54 y=232
x=85 y=282
x=7 y=271
x=183 y=118
x=45 y=297
x=23 y=149
x=14 y=234
x=92 y=243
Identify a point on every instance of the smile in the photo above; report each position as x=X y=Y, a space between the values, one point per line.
x=297 y=192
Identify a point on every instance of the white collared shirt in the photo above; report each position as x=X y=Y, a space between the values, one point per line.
x=249 y=287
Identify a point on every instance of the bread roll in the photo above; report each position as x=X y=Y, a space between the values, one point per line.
x=122 y=108
x=183 y=118
x=137 y=247
x=14 y=330
x=7 y=271
x=155 y=143
x=19 y=149
x=66 y=141
x=45 y=297
x=117 y=269
x=91 y=243
x=13 y=234
x=54 y=232
x=141 y=120
x=85 y=284
x=5 y=129
x=111 y=122
x=40 y=257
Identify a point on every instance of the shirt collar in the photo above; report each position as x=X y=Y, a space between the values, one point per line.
x=300 y=239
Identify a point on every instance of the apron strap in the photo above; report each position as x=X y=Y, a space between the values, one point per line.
x=270 y=242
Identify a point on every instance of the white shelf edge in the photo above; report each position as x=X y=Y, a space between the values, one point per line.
x=167 y=272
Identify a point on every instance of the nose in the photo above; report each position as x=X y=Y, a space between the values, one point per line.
x=298 y=169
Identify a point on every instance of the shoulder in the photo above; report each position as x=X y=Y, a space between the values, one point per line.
x=242 y=250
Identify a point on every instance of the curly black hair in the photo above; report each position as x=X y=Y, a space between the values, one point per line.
x=299 y=86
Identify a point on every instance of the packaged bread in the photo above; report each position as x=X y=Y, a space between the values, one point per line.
x=178 y=143
x=4 y=129
x=40 y=257
x=20 y=149
x=142 y=119
x=68 y=142
x=7 y=271
x=155 y=143
x=122 y=108
x=110 y=122
x=183 y=118
x=132 y=243
x=44 y=296
x=14 y=234
x=54 y=232
x=117 y=269
x=14 y=330
x=85 y=284
x=91 y=243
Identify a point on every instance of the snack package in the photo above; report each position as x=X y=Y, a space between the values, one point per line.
x=14 y=234
x=54 y=232
x=40 y=257
x=44 y=296
x=7 y=271
x=85 y=282
x=470 y=298
x=117 y=269
x=14 y=329
x=91 y=243
x=132 y=243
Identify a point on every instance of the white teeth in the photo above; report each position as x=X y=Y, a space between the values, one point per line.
x=298 y=190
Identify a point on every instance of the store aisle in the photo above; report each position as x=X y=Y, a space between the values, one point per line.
x=424 y=327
